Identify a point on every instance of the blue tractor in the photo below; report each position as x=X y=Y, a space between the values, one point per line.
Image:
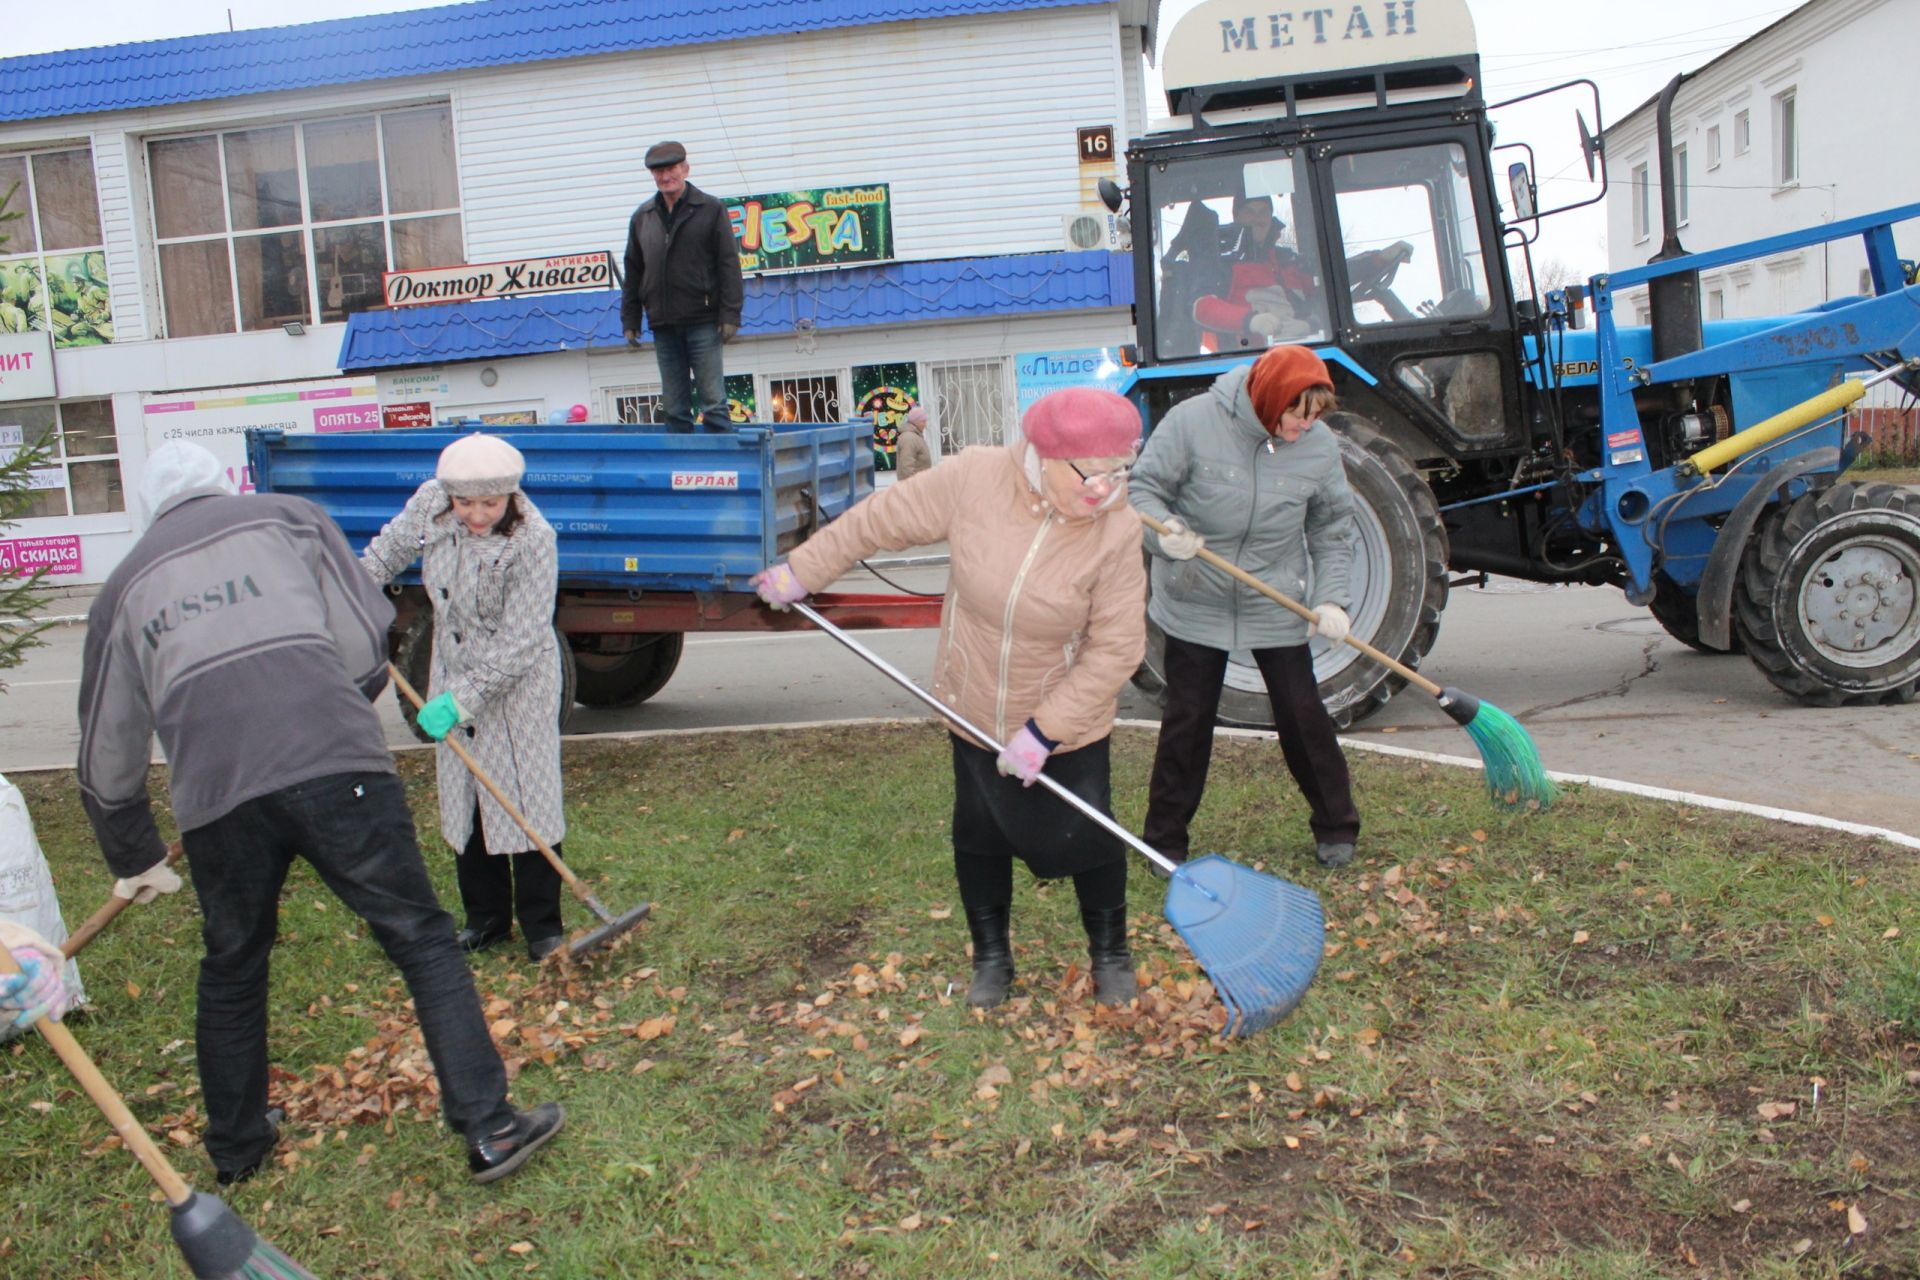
x=1338 y=191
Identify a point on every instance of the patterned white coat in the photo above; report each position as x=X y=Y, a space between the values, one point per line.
x=495 y=649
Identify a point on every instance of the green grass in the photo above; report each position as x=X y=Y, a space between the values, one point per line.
x=1539 y=1048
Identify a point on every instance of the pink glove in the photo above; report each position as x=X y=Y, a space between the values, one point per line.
x=1023 y=756
x=779 y=586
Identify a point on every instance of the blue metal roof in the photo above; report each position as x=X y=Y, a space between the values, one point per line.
x=848 y=298
x=452 y=37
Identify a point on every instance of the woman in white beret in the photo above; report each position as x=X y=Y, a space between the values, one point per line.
x=488 y=559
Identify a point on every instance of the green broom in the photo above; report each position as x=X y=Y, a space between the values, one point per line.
x=1515 y=777
x=215 y=1242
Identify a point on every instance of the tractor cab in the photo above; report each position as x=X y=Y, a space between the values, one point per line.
x=1326 y=180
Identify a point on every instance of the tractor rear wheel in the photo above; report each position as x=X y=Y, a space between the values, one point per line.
x=1399 y=587
x=1828 y=603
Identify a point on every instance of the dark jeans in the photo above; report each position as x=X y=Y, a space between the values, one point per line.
x=356 y=831
x=495 y=888
x=1308 y=740
x=695 y=348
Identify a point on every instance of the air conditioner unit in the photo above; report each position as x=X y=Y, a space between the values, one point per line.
x=1095 y=228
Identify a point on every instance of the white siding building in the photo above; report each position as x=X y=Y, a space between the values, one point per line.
x=1798 y=125
x=208 y=218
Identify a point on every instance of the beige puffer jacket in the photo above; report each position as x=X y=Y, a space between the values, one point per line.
x=1044 y=617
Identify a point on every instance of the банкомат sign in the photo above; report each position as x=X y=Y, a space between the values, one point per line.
x=571 y=273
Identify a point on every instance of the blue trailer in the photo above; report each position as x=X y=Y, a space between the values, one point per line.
x=659 y=533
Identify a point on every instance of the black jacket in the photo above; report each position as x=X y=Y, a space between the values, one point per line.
x=684 y=273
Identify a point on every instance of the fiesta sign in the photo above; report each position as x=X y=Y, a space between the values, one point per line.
x=574 y=272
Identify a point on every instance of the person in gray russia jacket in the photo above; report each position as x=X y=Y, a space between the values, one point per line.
x=1247 y=469
x=490 y=565
x=240 y=629
x=683 y=274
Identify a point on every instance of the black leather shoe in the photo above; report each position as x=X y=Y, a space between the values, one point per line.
x=472 y=940
x=539 y=949
x=492 y=1159
x=276 y=1116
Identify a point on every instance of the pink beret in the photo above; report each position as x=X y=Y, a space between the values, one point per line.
x=1082 y=422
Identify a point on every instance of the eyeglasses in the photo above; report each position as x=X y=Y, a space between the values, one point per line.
x=1112 y=479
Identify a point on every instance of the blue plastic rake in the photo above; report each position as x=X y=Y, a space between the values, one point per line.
x=1259 y=938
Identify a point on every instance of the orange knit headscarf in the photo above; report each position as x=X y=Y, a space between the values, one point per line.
x=1279 y=377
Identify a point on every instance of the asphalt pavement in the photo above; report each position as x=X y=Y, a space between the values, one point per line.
x=1603 y=690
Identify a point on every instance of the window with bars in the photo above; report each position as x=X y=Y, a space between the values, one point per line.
x=804 y=397
x=53 y=261
x=637 y=406
x=82 y=475
x=258 y=227
x=971 y=402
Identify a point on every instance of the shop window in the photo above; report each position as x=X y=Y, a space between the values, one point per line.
x=805 y=398
x=638 y=408
x=53 y=259
x=256 y=227
x=971 y=402
x=81 y=476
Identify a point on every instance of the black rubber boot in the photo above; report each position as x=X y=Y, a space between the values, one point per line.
x=992 y=955
x=1113 y=979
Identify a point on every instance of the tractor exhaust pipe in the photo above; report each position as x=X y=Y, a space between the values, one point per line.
x=1674 y=301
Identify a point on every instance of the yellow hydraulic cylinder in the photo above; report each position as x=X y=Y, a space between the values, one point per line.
x=1832 y=400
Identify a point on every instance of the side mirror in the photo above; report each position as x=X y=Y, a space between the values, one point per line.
x=1520 y=184
x=1110 y=194
x=1590 y=145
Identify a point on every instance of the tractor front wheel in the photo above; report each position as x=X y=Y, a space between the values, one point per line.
x=1828 y=603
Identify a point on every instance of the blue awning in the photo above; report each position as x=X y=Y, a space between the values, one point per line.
x=847 y=298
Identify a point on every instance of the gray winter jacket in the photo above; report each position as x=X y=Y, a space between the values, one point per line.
x=241 y=630
x=1283 y=512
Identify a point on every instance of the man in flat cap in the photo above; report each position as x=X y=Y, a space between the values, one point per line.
x=683 y=273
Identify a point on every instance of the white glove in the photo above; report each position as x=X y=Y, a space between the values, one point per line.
x=1331 y=622
x=1178 y=542
x=149 y=884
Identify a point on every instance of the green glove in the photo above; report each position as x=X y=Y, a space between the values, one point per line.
x=438 y=717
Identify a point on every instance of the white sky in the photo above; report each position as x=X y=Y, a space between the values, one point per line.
x=1630 y=47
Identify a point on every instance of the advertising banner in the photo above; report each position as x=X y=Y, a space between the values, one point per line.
x=741 y=403
x=1038 y=372
x=68 y=299
x=821 y=227
x=569 y=274
x=417 y=414
x=22 y=556
x=26 y=366
x=883 y=393
x=218 y=420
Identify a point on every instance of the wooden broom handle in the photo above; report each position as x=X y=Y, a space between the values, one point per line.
x=473 y=767
x=1401 y=669
x=105 y=915
x=131 y=1132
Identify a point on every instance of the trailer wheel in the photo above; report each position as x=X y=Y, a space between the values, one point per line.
x=1828 y=603
x=626 y=677
x=1399 y=589
x=1675 y=611
x=413 y=654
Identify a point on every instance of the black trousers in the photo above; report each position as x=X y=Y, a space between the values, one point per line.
x=1308 y=740
x=495 y=888
x=357 y=832
x=996 y=819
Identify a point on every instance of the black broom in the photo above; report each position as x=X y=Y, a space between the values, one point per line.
x=215 y=1242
